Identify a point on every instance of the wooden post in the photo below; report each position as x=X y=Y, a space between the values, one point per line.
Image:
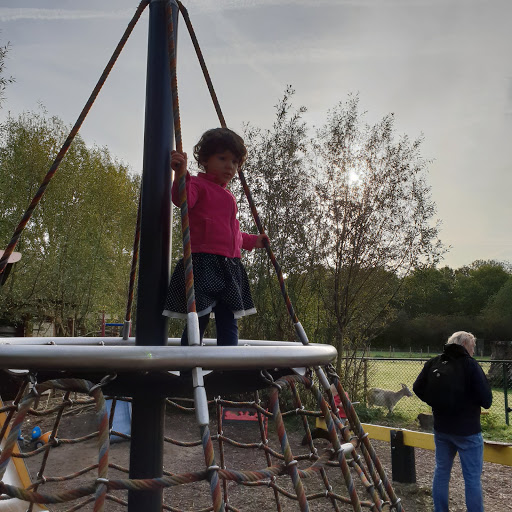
x=403 y=464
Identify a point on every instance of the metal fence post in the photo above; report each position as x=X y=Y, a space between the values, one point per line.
x=505 y=392
x=365 y=379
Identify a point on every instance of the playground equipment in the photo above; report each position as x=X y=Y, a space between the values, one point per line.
x=16 y=474
x=143 y=369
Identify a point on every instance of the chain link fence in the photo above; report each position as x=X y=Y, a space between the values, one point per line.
x=406 y=410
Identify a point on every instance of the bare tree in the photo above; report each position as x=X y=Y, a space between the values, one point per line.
x=281 y=184
x=376 y=218
x=3 y=80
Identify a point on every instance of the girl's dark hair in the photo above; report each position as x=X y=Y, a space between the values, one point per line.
x=218 y=140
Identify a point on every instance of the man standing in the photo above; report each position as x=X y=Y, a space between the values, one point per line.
x=455 y=386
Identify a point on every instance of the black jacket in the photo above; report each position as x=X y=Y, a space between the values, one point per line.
x=466 y=420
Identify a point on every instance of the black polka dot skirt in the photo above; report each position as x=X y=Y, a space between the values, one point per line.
x=216 y=279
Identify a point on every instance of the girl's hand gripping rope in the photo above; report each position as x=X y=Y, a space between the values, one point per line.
x=179 y=163
x=262 y=241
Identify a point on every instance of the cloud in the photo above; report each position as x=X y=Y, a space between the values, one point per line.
x=9 y=14
x=225 y=5
x=16 y=14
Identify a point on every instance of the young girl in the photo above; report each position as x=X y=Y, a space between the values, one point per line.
x=220 y=280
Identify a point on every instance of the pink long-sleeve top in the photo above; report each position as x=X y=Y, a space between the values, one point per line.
x=214 y=227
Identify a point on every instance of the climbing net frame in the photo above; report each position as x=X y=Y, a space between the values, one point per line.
x=149 y=359
x=282 y=465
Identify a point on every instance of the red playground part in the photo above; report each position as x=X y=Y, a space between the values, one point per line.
x=235 y=414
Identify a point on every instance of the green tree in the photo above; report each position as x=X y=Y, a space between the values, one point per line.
x=429 y=290
x=77 y=247
x=476 y=284
x=439 y=301
x=496 y=314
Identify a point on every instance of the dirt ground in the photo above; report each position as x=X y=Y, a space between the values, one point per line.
x=69 y=458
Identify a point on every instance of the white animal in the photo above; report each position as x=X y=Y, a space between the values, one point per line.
x=387 y=398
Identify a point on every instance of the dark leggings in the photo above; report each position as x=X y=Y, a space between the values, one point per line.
x=225 y=323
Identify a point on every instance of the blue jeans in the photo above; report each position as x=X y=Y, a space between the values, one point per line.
x=226 y=325
x=471 y=454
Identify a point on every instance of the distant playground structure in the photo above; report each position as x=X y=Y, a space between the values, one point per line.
x=268 y=381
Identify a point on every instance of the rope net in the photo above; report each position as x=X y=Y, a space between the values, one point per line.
x=264 y=443
x=289 y=468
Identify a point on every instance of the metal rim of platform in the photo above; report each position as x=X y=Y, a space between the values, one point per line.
x=116 y=354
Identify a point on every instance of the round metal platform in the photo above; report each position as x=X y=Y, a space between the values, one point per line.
x=118 y=355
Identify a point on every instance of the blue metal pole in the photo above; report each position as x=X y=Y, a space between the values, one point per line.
x=148 y=406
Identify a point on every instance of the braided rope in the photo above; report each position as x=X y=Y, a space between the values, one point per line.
x=333 y=437
x=347 y=438
x=220 y=439
x=53 y=169
x=305 y=424
x=100 y=488
x=53 y=438
x=263 y=435
x=202 y=63
x=155 y=483
x=367 y=448
x=213 y=477
x=11 y=410
x=212 y=469
x=182 y=188
x=291 y=464
x=243 y=181
x=173 y=403
x=331 y=429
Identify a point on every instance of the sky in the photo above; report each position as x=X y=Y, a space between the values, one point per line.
x=443 y=67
